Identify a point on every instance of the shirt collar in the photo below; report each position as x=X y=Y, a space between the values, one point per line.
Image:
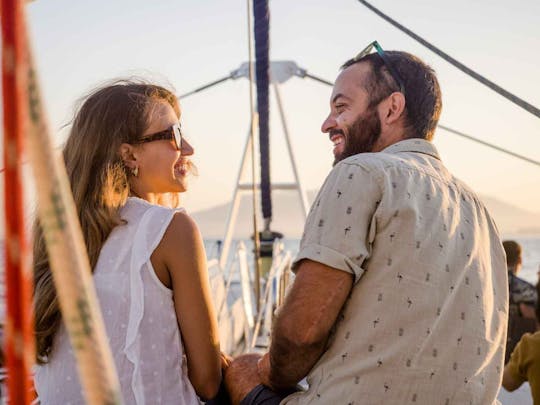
x=413 y=145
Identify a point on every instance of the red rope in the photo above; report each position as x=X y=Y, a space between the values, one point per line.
x=18 y=326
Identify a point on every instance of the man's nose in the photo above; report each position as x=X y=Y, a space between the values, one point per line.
x=328 y=124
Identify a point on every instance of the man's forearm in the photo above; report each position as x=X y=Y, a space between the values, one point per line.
x=290 y=362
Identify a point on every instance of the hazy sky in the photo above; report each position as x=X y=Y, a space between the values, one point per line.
x=189 y=43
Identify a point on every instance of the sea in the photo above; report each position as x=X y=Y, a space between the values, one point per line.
x=530 y=246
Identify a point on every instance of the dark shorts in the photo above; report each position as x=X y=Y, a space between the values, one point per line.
x=262 y=395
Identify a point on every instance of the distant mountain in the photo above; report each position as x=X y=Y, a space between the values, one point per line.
x=288 y=217
x=511 y=219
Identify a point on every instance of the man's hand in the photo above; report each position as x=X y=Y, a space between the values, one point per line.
x=242 y=376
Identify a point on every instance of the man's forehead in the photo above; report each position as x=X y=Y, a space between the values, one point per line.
x=351 y=80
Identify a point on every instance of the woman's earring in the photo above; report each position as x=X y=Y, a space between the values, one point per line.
x=135 y=171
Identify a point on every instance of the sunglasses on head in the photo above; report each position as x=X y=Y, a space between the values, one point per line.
x=172 y=133
x=367 y=50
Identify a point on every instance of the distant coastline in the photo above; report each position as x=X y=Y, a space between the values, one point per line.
x=288 y=219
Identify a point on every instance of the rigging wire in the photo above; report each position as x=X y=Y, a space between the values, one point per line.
x=318 y=79
x=206 y=86
x=469 y=137
x=489 y=145
x=513 y=98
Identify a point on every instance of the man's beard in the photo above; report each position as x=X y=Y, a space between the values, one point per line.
x=361 y=136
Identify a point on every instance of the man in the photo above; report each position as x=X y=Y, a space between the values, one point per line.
x=400 y=293
x=522 y=299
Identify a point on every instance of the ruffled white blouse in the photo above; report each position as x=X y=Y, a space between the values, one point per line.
x=139 y=316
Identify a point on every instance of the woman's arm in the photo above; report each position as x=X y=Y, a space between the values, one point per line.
x=181 y=251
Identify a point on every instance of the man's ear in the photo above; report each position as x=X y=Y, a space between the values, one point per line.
x=393 y=108
x=127 y=154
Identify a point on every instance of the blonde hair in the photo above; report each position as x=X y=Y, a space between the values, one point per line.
x=111 y=115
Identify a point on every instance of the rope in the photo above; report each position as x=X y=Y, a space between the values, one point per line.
x=262 y=64
x=513 y=98
x=19 y=338
x=69 y=262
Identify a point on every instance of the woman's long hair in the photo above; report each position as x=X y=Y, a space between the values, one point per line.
x=115 y=114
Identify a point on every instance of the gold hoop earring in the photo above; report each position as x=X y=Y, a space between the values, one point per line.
x=135 y=171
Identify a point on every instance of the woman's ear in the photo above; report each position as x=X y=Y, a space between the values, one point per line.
x=127 y=154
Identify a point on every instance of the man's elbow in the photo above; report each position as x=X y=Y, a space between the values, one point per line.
x=509 y=383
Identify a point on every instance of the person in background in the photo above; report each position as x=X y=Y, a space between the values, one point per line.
x=401 y=292
x=522 y=299
x=125 y=155
x=524 y=363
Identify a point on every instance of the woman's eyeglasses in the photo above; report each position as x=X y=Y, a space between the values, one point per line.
x=384 y=57
x=172 y=133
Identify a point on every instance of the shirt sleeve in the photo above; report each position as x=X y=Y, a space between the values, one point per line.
x=340 y=227
x=520 y=360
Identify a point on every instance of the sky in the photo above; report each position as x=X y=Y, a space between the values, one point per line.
x=79 y=45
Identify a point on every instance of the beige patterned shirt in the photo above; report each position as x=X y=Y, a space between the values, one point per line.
x=426 y=319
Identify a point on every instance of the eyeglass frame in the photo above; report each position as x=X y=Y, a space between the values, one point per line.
x=366 y=51
x=173 y=133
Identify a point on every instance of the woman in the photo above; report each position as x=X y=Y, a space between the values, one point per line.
x=124 y=154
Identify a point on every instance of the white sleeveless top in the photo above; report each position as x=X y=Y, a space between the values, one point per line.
x=139 y=316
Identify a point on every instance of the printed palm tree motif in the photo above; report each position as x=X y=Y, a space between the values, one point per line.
x=348 y=229
x=339 y=194
x=375 y=322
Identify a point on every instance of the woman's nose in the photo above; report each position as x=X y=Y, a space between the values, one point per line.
x=186 y=148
